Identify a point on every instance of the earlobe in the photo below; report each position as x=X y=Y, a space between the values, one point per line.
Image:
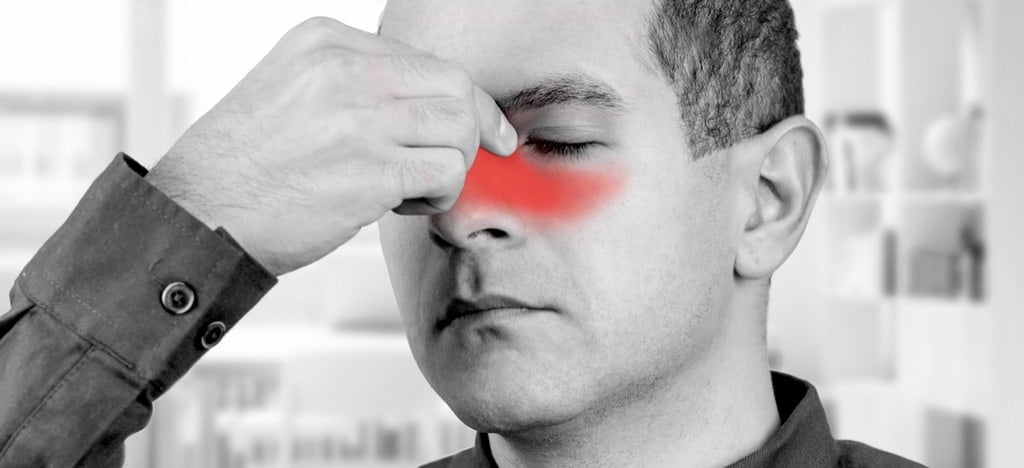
x=786 y=165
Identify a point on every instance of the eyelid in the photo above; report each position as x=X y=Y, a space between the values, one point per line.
x=567 y=132
x=560 y=141
x=561 y=149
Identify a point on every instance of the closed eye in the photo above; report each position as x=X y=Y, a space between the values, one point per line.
x=549 y=148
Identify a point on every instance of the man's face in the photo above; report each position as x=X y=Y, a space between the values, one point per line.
x=596 y=304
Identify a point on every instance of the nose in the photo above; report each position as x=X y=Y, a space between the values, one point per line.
x=486 y=214
x=471 y=226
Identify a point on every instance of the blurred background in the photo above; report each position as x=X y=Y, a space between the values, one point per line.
x=902 y=304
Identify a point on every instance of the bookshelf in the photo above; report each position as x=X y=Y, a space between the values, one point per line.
x=898 y=244
x=305 y=396
x=49 y=140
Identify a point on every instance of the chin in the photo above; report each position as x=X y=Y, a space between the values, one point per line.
x=509 y=414
x=500 y=402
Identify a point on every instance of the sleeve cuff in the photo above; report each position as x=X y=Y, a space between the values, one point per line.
x=122 y=268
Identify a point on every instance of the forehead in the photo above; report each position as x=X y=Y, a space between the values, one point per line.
x=505 y=45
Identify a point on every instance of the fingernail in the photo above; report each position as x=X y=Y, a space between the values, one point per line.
x=508 y=135
x=503 y=125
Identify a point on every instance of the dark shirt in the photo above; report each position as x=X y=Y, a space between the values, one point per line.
x=802 y=440
x=132 y=290
x=88 y=343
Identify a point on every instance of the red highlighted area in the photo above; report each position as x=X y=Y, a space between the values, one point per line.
x=540 y=193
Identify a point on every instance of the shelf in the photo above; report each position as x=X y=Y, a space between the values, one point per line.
x=861 y=298
x=940 y=307
x=910 y=196
x=941 y=196
x=895 y=389
x=277 y=343
x=48 y=194
x=11 y=259
x=855 y=197
x=922 y=185
x=892 y=417
x=942 y=344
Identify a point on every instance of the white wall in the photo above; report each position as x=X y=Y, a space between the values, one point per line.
x=1006 y=96
x=215 y=43
x=60 y=45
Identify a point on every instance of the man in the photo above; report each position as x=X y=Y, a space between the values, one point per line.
x=592 y=293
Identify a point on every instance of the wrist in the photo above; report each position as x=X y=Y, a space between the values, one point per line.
x=175 y=186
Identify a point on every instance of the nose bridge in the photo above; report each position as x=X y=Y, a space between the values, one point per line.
x=505 y=198
x=485 y=211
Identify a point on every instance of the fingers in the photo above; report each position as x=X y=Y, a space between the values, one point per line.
x=428 y=180
x=419 y=206
x=404 y=72
x=434 y=122
x=321 y=31
x=451 y=122
x=496 y=134
x=406 y=76
x=429 y=108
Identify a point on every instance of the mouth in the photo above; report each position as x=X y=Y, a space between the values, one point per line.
x=460 y=308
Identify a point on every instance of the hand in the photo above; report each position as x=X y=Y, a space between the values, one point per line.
x=330 y=131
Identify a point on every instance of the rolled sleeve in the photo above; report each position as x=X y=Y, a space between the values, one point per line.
x=114 y=308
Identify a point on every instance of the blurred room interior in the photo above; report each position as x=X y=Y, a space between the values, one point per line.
x=902 y=303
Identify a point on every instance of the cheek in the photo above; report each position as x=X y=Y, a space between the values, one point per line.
x=542 y=195
x=404 y=254
x=665 y=243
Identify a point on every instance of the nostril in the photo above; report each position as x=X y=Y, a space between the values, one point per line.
x=439 y=241
x=442 y=242
x=492 y=232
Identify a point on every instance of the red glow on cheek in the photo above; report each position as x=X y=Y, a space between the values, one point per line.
x=546 y=194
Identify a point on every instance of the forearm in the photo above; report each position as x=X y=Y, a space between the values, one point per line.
x=91 y=339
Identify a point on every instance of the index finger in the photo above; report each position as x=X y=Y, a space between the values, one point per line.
x=496 y=134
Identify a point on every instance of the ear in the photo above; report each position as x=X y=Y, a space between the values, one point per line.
x=781 y=171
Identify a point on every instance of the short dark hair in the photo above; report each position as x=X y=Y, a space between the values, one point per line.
x=734 y=65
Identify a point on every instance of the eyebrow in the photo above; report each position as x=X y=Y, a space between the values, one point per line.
x=574 y=89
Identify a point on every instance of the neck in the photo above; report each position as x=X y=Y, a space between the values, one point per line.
x=721 y=410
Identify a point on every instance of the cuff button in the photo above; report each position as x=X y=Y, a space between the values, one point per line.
x=178 y=298
x=214 y=332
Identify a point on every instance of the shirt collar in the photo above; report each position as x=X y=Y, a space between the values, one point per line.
x=803 y=438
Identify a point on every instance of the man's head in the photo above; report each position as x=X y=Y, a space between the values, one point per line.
x=680 y=112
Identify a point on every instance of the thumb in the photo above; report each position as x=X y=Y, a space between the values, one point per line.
x=496 y=134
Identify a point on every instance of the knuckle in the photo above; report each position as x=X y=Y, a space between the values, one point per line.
x=378 y=66
x=394 y=174
x=322 y=58
x=407 y=177
x=456 y=81
x=451 y=111
x=318 y=25
x=419 y=176
x=317 y=31
x=448 y=122
x=419 y=114
x=411 y=66
x=460 y=113
x=443 y=77
x=350 y=63
x=342 y=66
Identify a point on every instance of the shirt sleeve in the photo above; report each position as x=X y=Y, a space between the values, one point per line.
x=114 y=308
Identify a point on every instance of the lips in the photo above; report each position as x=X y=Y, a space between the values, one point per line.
x=460 y=307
